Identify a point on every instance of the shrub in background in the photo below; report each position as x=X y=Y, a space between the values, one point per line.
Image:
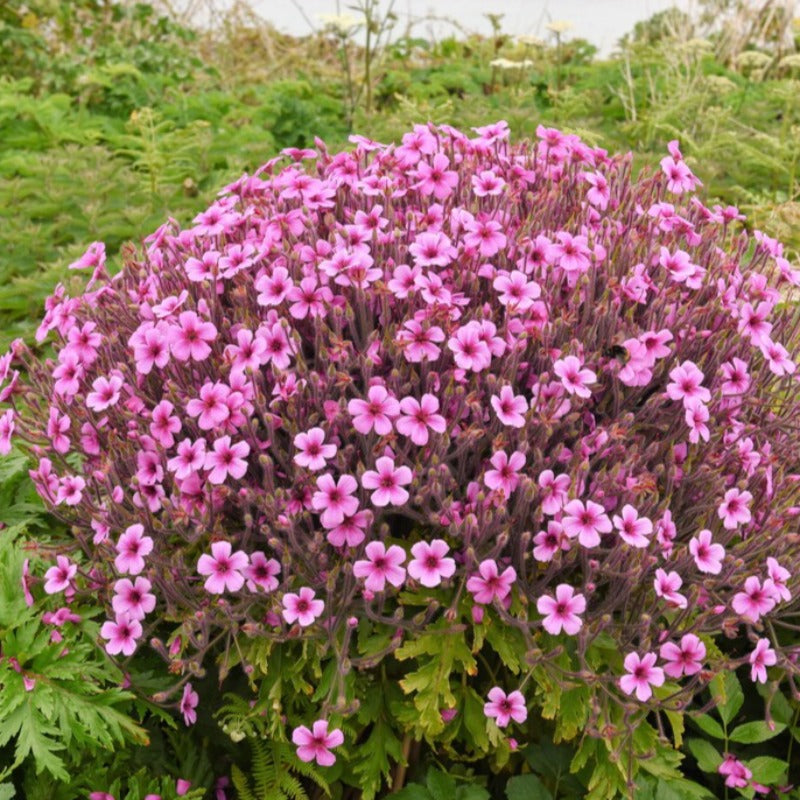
x=433 y=441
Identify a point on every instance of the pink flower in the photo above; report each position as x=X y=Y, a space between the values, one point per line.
x=164 y=424
x=684 y=659
x=223 y=568
x=381 y=565
x=133 y=598
x=70 y=490
x=487 y=183
x=510 y=408
x=315 y=746
x=376 y=412
x=737 y=775
x=227 y=459
x=429 y=564
x=504 y=477
x=150 y=345
x=261 y=572
x=517 y=291
x=419 y=343
x=573 y=376
x=632 y=528
x=387 y=482
x=549 y=542
x=211 y=408
x=679 y=177
x=308 y=299
x=642 y=675
x=778 y=357
x=779 y=575
x=756 y=599
x=486 y=236
x=753 y=322
x=686 y=384
x=189 y=703
x=121 y=635
x=59 y=577
x=436 y=179
x=707 y=555
x=696 y=416
x=190 y=337
x=302 y=607
x=490 y=583
x=350 y=531
x=273 y=288
x=182 y=787
x=313 y=454
x=586 y=522
x=6 y=432
x=432 y=249
x=132 y=547
x=666 y=585
x=561 y=613
x=190 y=459
x=505 y=707
x=105 y=393
x=334 y=499
x=734 y=511
x=57 y=428
x=470 y=350
x=572 y=253
x=418 y=416
x=736 y=377
x=762 y=657
x=555 y=490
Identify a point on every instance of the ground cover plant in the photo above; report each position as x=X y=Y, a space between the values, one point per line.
x=416 y=446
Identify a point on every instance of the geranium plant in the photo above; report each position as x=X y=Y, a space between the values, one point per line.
x=435 y=440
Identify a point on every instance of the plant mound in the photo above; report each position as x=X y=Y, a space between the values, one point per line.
x=499 y=423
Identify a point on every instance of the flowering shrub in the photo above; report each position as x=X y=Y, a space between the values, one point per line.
x=498 y=424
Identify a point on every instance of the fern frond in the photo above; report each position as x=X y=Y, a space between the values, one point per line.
x=241 y=784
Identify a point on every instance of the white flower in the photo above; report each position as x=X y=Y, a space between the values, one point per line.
x=341 y=23
x=559 y=26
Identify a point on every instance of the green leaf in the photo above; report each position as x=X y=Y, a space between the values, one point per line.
x=767 y=770
x=7 y=791
x=440 y=785
x=472 y=792
x=527 y=787
x=676 y=720
x=727 y=691
x=754 y=732
x=709 y=725
x=708 y=759
x=474 y=720
x=412 y=791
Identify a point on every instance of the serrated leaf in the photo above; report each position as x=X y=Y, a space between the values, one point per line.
x=676 y=720
x=527 y=787
x=708 y=759
x=709 y=725
x=472 y=792
x=755 y=732
x=767 y=770
x=727 y=691
x=412 y=791
x=440 y=785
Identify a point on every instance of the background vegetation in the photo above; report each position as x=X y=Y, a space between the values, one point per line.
x=115 y=116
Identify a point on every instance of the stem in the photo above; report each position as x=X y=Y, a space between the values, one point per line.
x=402 y=766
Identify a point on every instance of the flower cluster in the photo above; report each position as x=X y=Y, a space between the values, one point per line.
x=451 y=365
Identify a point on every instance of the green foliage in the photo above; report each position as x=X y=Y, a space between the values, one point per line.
x=55 y=697
x=271 y=774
